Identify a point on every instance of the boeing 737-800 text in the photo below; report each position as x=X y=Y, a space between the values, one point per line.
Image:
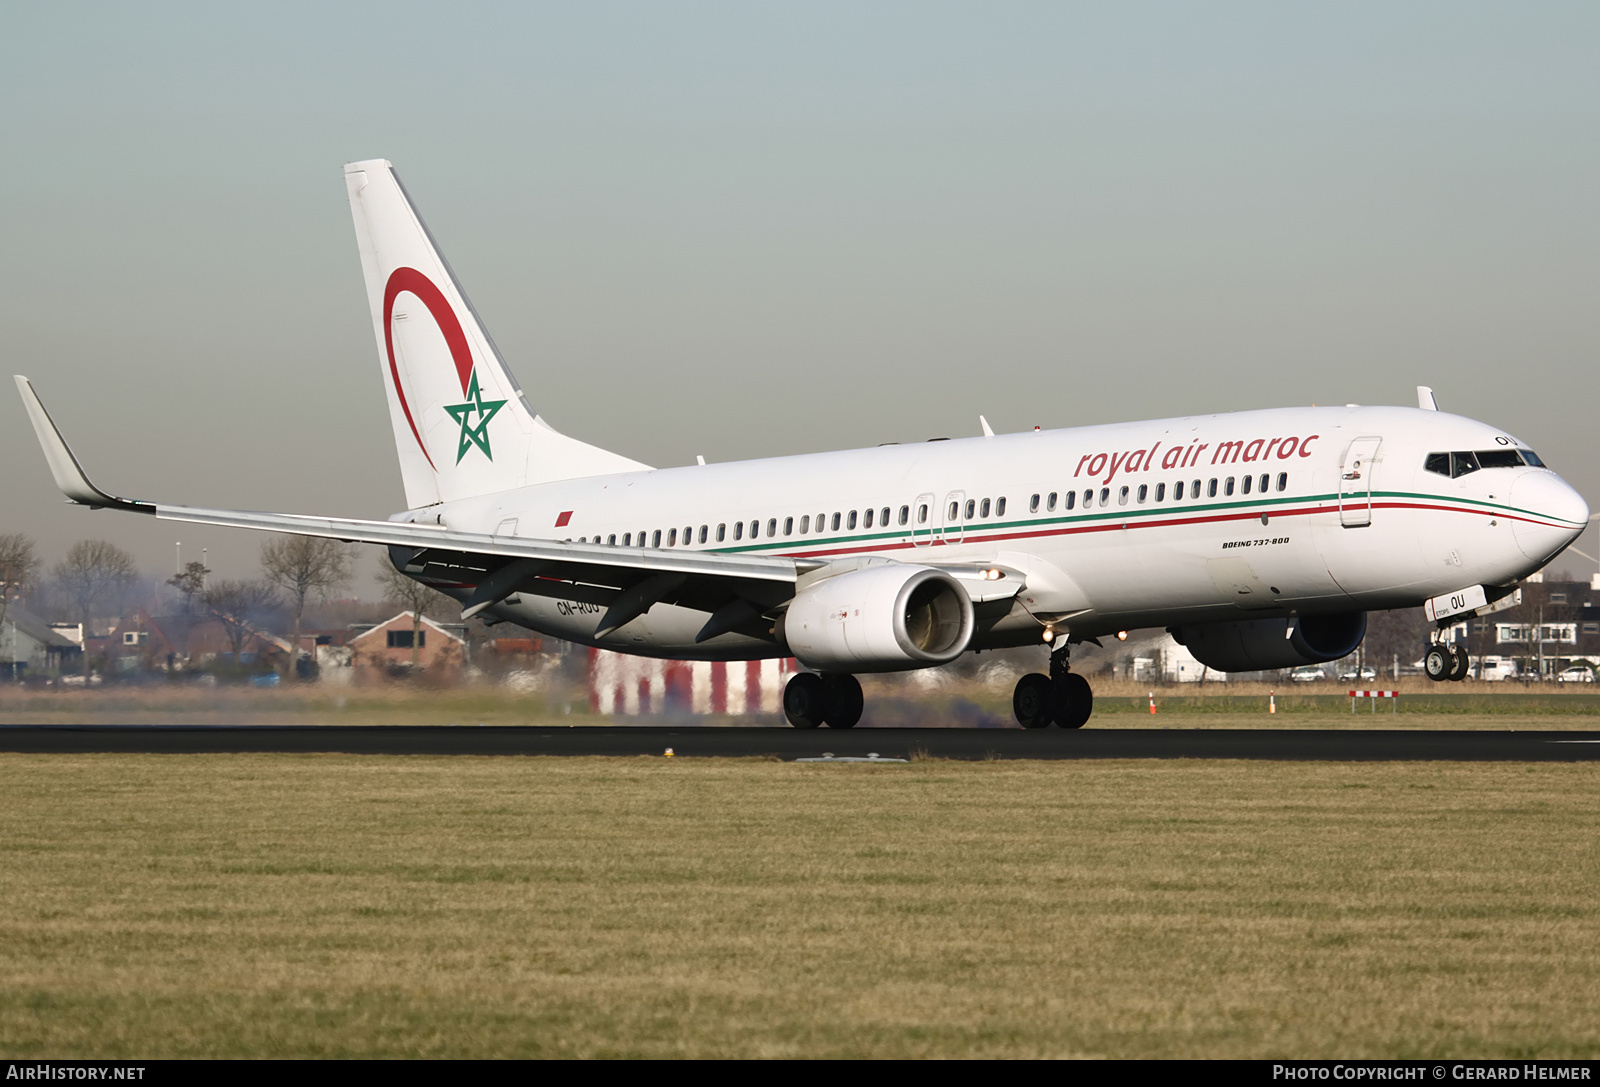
x=1260 y=539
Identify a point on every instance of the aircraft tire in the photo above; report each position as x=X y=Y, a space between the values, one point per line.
x=805 y=700
x=1034 y=701
x=1438 y=662
x=845 y=701
x=1074 y=701
x=1460 y=663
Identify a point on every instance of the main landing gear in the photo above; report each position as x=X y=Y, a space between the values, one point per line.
x=1443 y=662
x=833 y=699
x=1062 y=697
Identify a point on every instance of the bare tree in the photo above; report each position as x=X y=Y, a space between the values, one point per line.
x=19 y=562
x=411 y=595
x=93 y=571
x=304 y=566
x=240 y=607
x=190 y=584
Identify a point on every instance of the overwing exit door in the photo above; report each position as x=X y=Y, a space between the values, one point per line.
x=1355 y=482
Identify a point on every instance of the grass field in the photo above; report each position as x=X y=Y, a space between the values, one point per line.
x=155 y=906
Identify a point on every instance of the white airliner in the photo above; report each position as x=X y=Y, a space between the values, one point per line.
x=1260 y=539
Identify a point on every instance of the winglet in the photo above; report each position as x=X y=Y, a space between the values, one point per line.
x=70 y=476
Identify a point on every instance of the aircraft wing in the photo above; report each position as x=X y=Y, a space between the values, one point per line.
x=491 y=566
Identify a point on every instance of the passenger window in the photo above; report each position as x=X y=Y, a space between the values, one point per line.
x=1438 y=462
x=627 y=539
x=922 y=514
x=1283 y=481
x=1227 y=488
x=1088 y=498
x=688 y=535
x=1033 y=504
x=738 y=530
x=772 y=527
x=1194 y=489
x=1050 y=503
x=703 y=531
x=805 y=524
x=1161 y=492
x=656 y=538
x=999 y=507
x=1122 y=497
x=866 y=520
x=836 y=522
x=788 y=526
x=983 y=508
x=972 y=506
x=1177 y=491
x=955 y=511
x=672 y=538
x=1072 y=500
x=1244 y=484
x=1265 y=479
x=883 y=519
x=722 y=532
x=1105 y=496
x=1211 y=491
x=755 y=529
x=611 y=540
x=905 y=515
x=1144 y=492
x=852 y=520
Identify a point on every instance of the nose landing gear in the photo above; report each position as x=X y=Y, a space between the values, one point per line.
x=1443 y=662
x=1062 y=697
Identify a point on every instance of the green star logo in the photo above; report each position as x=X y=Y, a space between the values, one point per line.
x=484 y=410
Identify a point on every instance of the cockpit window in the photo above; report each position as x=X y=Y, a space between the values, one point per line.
x=1460 y=464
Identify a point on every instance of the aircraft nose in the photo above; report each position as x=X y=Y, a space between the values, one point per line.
x=1550 y=514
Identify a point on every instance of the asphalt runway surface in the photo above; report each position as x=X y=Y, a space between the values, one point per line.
x=1338 y=745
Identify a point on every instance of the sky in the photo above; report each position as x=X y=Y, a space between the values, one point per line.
x=741 y=230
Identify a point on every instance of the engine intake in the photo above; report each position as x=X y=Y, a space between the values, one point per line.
x=1257 y=645
x=880 y=619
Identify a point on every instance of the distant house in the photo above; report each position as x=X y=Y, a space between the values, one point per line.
x=142 y=642
x=386 y=651
x=29 y=644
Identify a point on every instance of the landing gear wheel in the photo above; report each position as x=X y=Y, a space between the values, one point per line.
x=844 y=700
x=1034 y=701
x=1074 y=701
x=1461 y=663
x=1438 y=662
x=805 y=700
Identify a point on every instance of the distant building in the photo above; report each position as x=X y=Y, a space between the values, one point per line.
x=29 y=644
x=1556 y=626
x=386 y=651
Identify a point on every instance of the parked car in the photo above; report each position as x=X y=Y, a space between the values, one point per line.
x=1577 y=674
x=1308 y=674
x=1365 y=673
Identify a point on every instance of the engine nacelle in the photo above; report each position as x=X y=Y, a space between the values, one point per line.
x=1257 y=645
x=879 y=619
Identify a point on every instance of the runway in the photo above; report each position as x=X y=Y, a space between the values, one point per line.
x=1341 y=745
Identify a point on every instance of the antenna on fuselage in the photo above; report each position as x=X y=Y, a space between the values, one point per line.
x=1425 y=399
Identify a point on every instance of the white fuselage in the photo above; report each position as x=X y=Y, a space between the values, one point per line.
x=1104 y=523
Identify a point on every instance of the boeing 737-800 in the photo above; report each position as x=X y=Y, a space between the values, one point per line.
x=1260 y=539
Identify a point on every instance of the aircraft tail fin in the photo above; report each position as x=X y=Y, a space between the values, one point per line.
x=462 y=426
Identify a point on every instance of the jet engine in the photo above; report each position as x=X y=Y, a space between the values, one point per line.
x=882 y=618
x=1256 y=645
